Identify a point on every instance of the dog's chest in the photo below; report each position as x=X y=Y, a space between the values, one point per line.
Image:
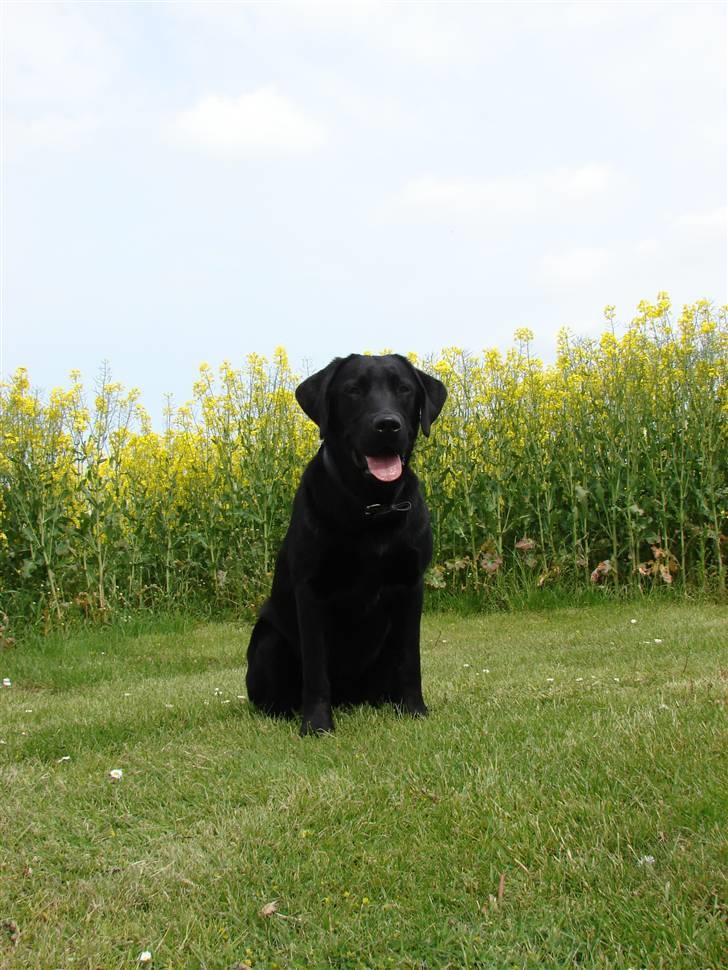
x=365 y=570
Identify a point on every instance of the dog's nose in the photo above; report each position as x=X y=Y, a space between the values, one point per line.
x=387 y=423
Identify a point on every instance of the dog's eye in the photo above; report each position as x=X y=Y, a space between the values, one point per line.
x=352 y=390
x=404 y=390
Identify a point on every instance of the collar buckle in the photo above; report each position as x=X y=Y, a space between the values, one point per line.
x=377 y=509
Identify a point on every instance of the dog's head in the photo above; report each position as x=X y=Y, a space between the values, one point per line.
x=370 y=408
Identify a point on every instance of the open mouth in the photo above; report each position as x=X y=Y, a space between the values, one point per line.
x=385 y=468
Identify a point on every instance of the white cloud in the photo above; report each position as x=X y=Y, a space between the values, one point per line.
x=59 y=70
x=585 y=16
x=414 y=32
x=675 y=57
x=646 y=264
x=575 y=267
x=579 y=184
x=53 y=54
x=704 y=224
x=421 y=34
x=260 y=123
x=49 y=132
x=331 y=14
x=462 y=195
x=714 y=134
x=505 y=196
x=646 y=248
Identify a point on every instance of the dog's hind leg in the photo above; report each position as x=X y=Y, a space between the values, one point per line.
x=274 y=672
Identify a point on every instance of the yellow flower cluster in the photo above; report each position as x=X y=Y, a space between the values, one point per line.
x=561 y=474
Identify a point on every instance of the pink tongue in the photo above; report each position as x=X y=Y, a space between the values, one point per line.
x=387 y=468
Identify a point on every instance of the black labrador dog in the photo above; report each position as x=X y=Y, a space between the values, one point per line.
x=342 y=624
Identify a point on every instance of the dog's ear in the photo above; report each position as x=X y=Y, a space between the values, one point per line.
x=313 y=394
x=433 y=395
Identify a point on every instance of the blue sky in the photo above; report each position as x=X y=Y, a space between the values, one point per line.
x=188 y=182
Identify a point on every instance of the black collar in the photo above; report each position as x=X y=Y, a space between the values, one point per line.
x=372 y=511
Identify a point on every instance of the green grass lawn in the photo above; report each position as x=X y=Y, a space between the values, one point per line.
x=564 y=805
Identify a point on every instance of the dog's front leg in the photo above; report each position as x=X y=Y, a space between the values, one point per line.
x=406 y=640
x=316 y=695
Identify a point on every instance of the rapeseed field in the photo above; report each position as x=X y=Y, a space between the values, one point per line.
x=606 y=468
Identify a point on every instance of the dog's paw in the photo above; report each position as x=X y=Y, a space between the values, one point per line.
x=412 y=706
x=317 y=721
